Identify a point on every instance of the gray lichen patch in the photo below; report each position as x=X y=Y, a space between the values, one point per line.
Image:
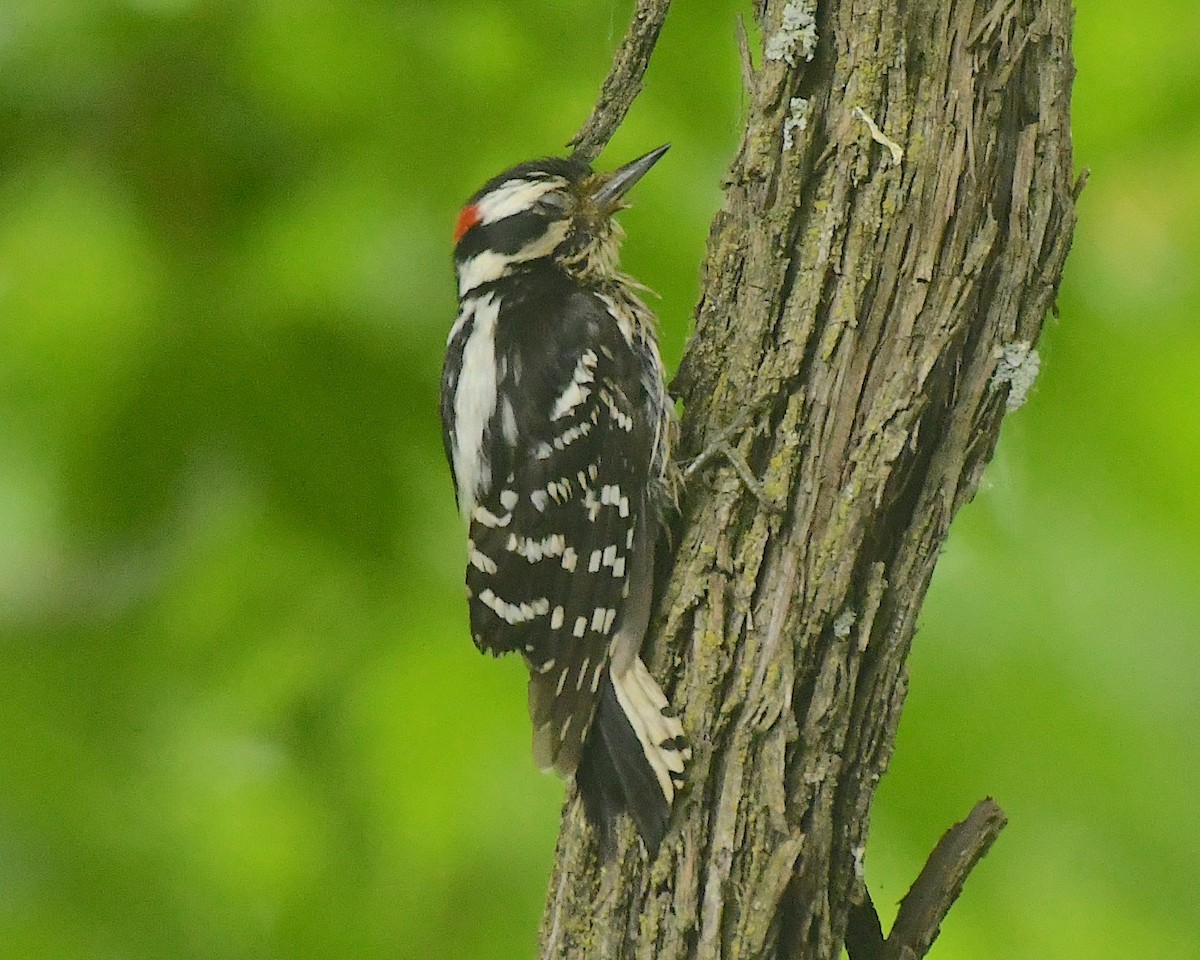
x=1018 y=366
x=795 y=122
x=796 y=36
x=844 y=623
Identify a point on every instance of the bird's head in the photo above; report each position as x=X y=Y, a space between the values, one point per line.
x=552 y=208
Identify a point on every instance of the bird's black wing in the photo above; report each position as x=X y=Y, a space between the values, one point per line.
x=552 y=540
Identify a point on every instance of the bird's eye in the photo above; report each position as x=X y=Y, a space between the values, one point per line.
x=552 y=202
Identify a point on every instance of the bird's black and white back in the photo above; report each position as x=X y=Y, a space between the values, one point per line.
x=557 y=429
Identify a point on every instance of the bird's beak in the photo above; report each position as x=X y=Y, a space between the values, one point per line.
x=621 y=180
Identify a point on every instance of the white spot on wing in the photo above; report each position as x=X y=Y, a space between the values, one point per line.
x=485 y=516
x=481 y=561
x=578 y=390
x=508 y=423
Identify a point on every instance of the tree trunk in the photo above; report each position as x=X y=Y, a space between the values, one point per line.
x=894 y=229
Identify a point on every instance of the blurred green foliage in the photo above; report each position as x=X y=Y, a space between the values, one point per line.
x=241 y=715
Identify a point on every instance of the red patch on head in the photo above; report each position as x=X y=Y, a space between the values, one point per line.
x=466 y=220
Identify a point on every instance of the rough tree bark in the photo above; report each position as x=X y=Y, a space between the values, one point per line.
x=894 y=229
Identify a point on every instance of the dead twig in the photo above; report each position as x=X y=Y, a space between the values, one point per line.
x=932 y=894
x=624 y=80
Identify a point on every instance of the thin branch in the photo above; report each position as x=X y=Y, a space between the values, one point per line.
x=624 y=80
x=934 y=891
x=930 y=897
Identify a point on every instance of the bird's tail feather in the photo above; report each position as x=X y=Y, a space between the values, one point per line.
x=634 y=757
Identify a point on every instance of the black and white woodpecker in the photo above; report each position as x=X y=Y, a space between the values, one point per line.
x=557 y=427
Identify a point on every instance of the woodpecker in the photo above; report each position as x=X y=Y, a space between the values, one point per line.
x=557 y=429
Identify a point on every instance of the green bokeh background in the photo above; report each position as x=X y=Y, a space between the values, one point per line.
x=240 y=715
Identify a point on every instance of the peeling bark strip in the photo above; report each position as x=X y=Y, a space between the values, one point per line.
x=861 y=289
